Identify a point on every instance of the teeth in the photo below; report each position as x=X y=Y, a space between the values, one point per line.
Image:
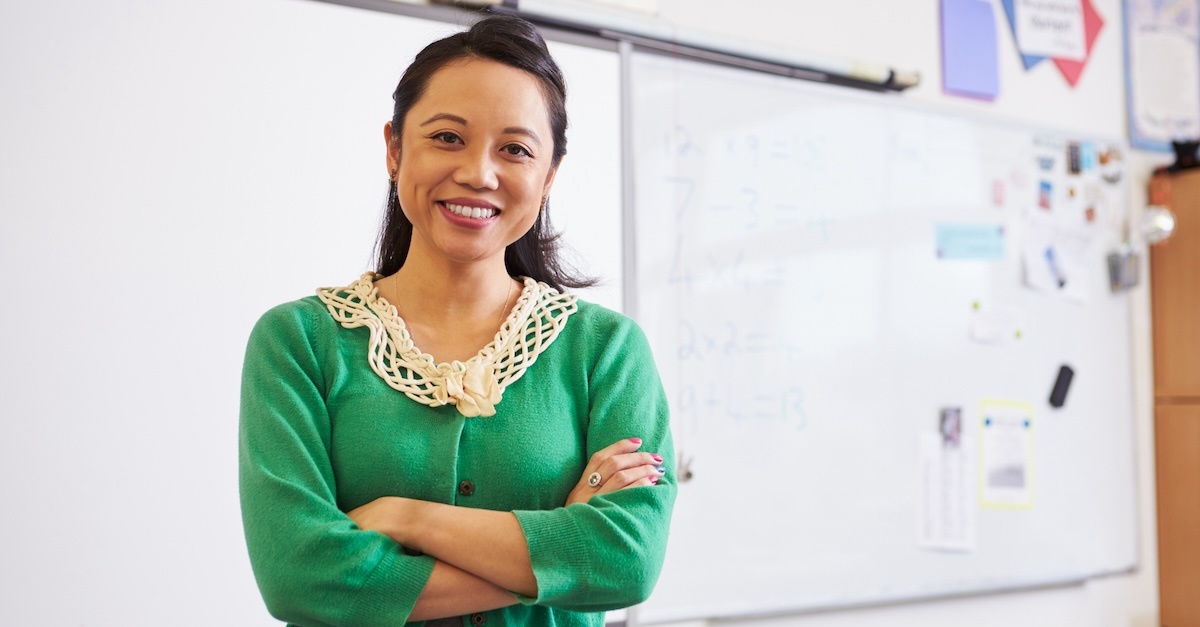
x=477 y=213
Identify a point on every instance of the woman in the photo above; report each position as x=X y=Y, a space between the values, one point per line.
x=454 y=437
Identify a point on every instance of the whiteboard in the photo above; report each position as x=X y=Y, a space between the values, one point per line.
x=787 y=273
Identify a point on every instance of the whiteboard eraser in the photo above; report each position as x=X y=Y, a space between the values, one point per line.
x=1058 y=395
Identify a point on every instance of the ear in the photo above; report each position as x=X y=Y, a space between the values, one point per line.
x=550 y=180
x=393 y=149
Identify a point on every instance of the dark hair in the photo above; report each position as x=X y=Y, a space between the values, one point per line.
x=514 y=42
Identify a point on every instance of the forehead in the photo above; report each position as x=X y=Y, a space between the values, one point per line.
x=484 y=91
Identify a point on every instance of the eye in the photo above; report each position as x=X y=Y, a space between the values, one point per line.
x=446 y=137
x=517 y=150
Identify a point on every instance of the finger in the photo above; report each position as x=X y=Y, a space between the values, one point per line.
x=617 y=463
x=628 y=445
x=597 y=460
x=630 y=478
x=638 y=475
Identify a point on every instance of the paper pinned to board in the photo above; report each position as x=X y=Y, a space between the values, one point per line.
x=1006 y=454
x=1054 y=260
x=995 y=324
x=947 y=515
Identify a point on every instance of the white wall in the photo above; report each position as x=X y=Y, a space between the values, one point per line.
x=119 y=489
x=145 y=206
x=168 y=172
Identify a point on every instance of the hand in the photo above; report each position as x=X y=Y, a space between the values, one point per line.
x=620 y=467
x=385 y=515
x=481 y=555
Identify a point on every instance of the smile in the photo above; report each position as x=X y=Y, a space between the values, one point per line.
x=475 y=213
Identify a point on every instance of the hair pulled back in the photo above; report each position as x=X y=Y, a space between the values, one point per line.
x=516 y=43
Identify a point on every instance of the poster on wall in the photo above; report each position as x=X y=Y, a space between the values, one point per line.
x=1064 y=31
x=1162 y=57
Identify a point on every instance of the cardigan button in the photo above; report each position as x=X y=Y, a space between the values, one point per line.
x=478 y=619
x=466 y=488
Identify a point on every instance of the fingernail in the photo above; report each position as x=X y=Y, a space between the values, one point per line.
x=653 y=479
x=635 y=440
x=657 y=458
x=661 y=469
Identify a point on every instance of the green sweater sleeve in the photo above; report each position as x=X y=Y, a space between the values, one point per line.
x=313 y=565
x=607 y=553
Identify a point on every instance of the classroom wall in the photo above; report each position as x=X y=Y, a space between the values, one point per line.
x=70 y=535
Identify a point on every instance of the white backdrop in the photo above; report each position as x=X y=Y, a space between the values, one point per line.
x=168 y=172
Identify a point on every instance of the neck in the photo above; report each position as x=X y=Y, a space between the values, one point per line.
x=428 y=290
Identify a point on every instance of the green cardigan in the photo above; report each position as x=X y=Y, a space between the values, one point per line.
x=322 y=434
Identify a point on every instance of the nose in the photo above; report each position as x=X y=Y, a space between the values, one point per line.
x=477 y=169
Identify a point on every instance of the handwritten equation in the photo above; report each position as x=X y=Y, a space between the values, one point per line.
x=732 y=371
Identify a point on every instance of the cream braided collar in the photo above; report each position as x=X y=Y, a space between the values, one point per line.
x=474 y=387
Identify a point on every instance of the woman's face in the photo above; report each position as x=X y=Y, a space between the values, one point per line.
x=473 y=161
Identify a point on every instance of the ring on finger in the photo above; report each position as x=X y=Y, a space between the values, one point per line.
x=594 y=480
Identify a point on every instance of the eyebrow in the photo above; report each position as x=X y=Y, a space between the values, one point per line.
x=511 y=130
x=444 y=116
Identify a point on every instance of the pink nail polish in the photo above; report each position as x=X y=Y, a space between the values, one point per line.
x=657 y=458
x=654 y=480
x=635 y=440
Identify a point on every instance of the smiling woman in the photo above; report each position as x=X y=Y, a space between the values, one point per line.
x=455 y=437
x=475 y=170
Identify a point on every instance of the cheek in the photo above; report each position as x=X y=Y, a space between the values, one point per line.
x=531 y=199
x=416 y=176
x=535 y=186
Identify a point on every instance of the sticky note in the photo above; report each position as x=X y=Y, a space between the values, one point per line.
x=970 y=241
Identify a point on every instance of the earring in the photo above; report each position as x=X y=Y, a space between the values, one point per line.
x=545 y=199
x=391 y=177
